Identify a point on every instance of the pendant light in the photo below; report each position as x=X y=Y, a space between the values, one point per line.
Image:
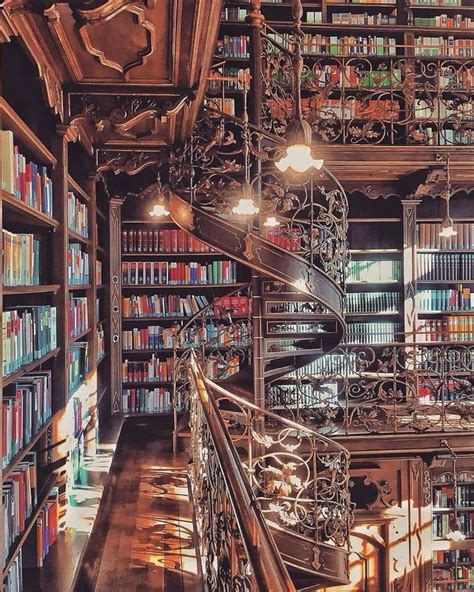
x=246 y=205
x=454 y=533
x=159 y=208
x=298 y=155
x=271 y=222
x=447 y=225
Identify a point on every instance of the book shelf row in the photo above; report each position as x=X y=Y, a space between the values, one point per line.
x=178 y=273
x=170 y=240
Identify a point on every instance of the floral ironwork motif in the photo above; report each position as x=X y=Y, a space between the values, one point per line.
x=209 y=170
x=352 y=100
x=299 y=478
x=393 y=389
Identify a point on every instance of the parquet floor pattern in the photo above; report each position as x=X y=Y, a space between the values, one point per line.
x=148 y=538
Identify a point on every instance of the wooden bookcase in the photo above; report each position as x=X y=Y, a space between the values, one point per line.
x=453 y=562
x=63 y=432
x=168 y=326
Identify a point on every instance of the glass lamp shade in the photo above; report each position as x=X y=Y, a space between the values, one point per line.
x=271 y=222
x=298 y=153
x=159 y=208
x=298 y=157
x=447 y=228
x=454 y=533
x=246 y=205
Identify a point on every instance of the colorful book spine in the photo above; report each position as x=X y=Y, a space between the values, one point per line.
x=152 y=370
x=455 y=299
x=21 y=259
x=26 y=181
x=428 y=236
x=450 y=328
x=172 y=305
x=44 y=534
x=178 y=273
x=78 y=316
x=28 y=333
x=24 y=412
x=77 y=215
x=373 y=333
x=77 y=265
x=162 y=241
x=19 y=500
x=142 y=400
x=448 y=267
x=373 y=302
x=444 y=46
x=77 y=364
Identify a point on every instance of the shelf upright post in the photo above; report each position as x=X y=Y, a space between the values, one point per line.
x=255 y=20
x=59 y=264
x=115 y=305
x=409 y=266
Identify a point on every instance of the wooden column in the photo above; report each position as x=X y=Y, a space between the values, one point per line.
x=59 y=265
x=115 y=303
x=409 y=265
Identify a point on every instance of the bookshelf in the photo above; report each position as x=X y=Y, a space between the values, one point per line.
x=453 y=562
x=30 y=343
x=49 y=221
x=170 y=283
x=445 y=280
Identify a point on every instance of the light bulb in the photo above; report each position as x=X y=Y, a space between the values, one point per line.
x=447 y=228
x=298 y=157
x=246 y=207
x=271 y=222
x=455 y=535
x=158 y=210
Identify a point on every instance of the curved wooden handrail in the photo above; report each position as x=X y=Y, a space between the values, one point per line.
x=283 y=420
x=267 y=564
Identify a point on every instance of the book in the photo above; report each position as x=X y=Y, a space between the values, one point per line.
x=28 y=333
x=77 y=215
x=26 y=181
x=77 y=265
x=21 y=259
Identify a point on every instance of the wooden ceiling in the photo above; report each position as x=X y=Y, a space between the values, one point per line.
x=127 y=73
x=128 y=77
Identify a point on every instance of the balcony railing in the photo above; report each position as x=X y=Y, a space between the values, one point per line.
x=382 y=389
x=298 y=478
x=390 y=93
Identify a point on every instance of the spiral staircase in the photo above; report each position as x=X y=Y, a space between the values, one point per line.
x=301 y=319
x=288 y=283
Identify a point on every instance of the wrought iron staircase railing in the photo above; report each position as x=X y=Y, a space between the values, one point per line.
x=259 y=480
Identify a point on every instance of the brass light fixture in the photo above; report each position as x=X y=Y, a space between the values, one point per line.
x=454 y=533
x=246 y=204
x=447 y=225
x=298 y=155
x=159 y=201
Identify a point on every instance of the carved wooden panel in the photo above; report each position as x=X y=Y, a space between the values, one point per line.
x=115 y=303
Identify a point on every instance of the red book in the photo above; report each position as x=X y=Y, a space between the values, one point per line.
x=181 y=241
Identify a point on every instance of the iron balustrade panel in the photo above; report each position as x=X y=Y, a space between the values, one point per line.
x=371 y=99
x=398 y=388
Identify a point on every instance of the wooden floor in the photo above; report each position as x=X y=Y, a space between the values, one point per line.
x=143 y=538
